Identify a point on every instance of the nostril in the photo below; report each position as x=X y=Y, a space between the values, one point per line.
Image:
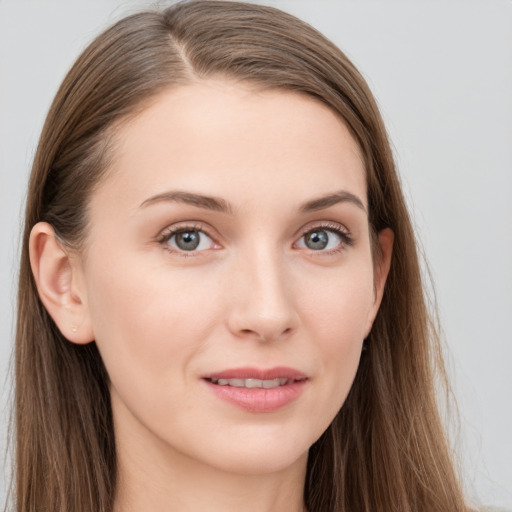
x=265 y=335
x=286 y=332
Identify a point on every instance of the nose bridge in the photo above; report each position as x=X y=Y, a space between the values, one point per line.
x=263 y=301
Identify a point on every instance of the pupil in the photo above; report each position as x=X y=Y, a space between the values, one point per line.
x=317 y=240
x=187 y=240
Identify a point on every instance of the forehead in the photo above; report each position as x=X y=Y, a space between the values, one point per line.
x=230 y=139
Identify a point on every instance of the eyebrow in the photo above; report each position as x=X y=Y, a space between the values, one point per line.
x=330 y=200
x=221 y=205
x=201 y=201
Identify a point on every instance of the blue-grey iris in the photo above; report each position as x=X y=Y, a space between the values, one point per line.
x=188 y=240
x=316 y=240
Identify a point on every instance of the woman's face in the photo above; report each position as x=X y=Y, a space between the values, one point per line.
x=228 y=276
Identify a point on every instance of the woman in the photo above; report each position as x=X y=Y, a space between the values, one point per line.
x=220 y=302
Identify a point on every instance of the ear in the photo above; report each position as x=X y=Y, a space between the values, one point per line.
x=385 y=240
x=59 y=281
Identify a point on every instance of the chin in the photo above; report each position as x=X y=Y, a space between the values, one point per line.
x=257 y=461
x=258 y=451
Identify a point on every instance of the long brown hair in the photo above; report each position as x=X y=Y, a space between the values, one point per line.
x=386 y=448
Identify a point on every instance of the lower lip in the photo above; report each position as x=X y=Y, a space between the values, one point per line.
x=259 y=399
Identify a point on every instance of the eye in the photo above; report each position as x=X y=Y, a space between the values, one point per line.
x=188 y=240
x=323 y=238
x=320 y=239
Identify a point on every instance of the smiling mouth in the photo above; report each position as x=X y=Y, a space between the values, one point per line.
x=258 y=391
x=255 y=383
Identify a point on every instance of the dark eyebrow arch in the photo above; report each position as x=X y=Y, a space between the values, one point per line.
x=207 y=202
x=221 y=205
x=330 y=200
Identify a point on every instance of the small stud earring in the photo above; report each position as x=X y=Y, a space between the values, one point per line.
x=74 y=328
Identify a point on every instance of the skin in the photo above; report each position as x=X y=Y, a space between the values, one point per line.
x=252 y=294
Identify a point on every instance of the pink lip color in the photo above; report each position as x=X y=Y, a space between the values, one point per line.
x=259 y=399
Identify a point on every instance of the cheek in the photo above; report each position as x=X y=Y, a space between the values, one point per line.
x=339 y=307
x=336 y=318
x=146 y=320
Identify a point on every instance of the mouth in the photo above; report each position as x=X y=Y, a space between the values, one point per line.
x=257 y=390
x=254 y=383
x=254 y=378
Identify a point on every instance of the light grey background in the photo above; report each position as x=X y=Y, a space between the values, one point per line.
x=442 y=73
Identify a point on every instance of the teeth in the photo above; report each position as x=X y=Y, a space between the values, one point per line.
x=252 y=383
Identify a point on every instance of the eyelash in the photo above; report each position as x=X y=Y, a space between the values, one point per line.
x=169 y=232
x=345 y=237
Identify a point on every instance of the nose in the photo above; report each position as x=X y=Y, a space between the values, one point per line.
x=262 y=300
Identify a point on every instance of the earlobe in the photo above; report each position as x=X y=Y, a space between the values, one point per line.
x=59 y=285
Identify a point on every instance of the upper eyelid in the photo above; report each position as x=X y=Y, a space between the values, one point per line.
x=172 y=229
x=332 y=225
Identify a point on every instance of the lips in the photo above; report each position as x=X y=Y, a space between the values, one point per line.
x=257 y=390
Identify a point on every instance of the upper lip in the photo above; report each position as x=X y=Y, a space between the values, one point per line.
x=278 y=372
